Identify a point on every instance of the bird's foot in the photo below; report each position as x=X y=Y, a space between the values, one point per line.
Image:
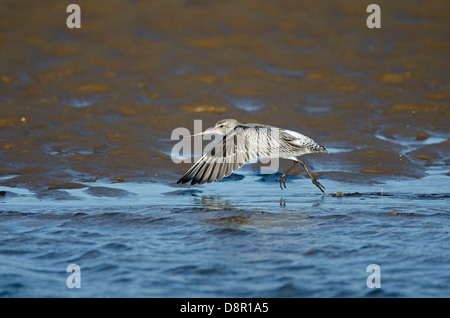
x=319 y=185
x=283 y=181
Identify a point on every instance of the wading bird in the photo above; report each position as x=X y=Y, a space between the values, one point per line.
x=244 y=142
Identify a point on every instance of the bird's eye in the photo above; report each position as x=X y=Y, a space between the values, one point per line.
x=221 y=126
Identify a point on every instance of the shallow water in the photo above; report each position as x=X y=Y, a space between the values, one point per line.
x=86 y=175
x=227 y=240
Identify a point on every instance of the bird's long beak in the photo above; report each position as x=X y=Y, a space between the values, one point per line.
x=208 y=131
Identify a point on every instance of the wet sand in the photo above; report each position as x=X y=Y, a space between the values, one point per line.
x=86 y=116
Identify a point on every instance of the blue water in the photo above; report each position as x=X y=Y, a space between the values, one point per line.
x=241 y=237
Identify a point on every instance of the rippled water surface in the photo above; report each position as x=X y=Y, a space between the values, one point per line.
x=86 y=174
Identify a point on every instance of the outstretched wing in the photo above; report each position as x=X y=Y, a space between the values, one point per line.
x=242 y=144
x=227 y=156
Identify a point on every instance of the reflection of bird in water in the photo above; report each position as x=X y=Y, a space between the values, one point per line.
x=214 y=203
x=315 y=204
x=245 y=142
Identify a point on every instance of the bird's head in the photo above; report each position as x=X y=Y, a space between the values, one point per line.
x=222 y=127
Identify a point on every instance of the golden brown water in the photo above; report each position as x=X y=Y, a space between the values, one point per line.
x=101 y=101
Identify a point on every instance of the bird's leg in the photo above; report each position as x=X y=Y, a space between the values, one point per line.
x=283 y=176
x=316 y=183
